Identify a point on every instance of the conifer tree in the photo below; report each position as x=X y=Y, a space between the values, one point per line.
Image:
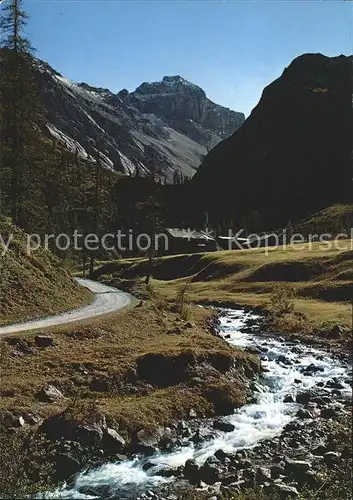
x=19 y=110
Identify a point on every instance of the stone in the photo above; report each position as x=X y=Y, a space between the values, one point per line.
x=222 y=455
x=335 y=332
x=276 y=471
x=191 y=471
x=183 y=429
x=346 y=451
x=304 y=397
x=288 y=399
x=293 y=426
x=169 y=472
x=200 y=436
x=210 y=472
x=304 y=414
x=100 y=384
x=328 y=413
x=322 y=400
x=43 y=341
x=313 y=369
x=50 y=394
x=282 y=359
x=249 y=476
x=147 y=440
x=113 y=441
x=334 y=384
x=220 y=425
x=309 y=478
x=32 y=419
x=66 y=466
x=331 y=459
x=89 y=434
x=319 y=450
x=13 y=421
x=262 y=475
x=295 y=467
x=243 y=464
x=62 y=427
x=284 y=491
x=230 y=479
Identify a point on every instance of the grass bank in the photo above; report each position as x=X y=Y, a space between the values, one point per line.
x=33 y=286
x=98 y=361
x=319 y=281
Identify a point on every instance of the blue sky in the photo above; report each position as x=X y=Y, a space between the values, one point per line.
x=232 y=49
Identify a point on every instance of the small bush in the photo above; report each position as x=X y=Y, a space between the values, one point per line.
x=282 y=300
x=182 y=302
x=283 y=316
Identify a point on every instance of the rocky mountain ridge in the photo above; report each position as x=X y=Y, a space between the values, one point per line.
x=292 y=156
x=172 y=121
x=185 y=107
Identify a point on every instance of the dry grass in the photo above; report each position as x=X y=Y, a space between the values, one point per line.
x=33 y=286
x=334 y=219
x=103 y=352
x=321 y=278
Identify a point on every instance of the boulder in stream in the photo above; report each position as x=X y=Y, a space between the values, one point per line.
x=221 y=425
x=192 y=471
x=112 y=441
x=211 y=471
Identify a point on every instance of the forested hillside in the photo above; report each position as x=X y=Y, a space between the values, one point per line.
x=292 y=156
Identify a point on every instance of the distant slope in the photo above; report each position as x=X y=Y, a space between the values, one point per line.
x=176 y=122
x=33 y=286
x=293 y=155
x=335 y=219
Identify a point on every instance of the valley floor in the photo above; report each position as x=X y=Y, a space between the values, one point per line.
x=304 y=288
x=159 y=362
x=140 y=368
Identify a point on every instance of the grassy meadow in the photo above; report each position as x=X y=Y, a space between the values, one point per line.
x=318 y=280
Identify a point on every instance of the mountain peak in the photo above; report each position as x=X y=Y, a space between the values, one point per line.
x=173 y=116
x=184 y=106
x=174 y=79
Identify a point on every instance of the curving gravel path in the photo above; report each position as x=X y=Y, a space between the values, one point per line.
x=107 y=300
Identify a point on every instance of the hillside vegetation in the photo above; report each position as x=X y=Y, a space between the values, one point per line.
x=33 y=286
x=334 y=219
x=292 y=156
x=319 y=282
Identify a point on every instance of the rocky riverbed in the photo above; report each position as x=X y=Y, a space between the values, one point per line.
x=279 y=441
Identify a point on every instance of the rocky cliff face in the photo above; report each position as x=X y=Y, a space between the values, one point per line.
x=185 y=107
x=172 y=120
x=292 y=156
